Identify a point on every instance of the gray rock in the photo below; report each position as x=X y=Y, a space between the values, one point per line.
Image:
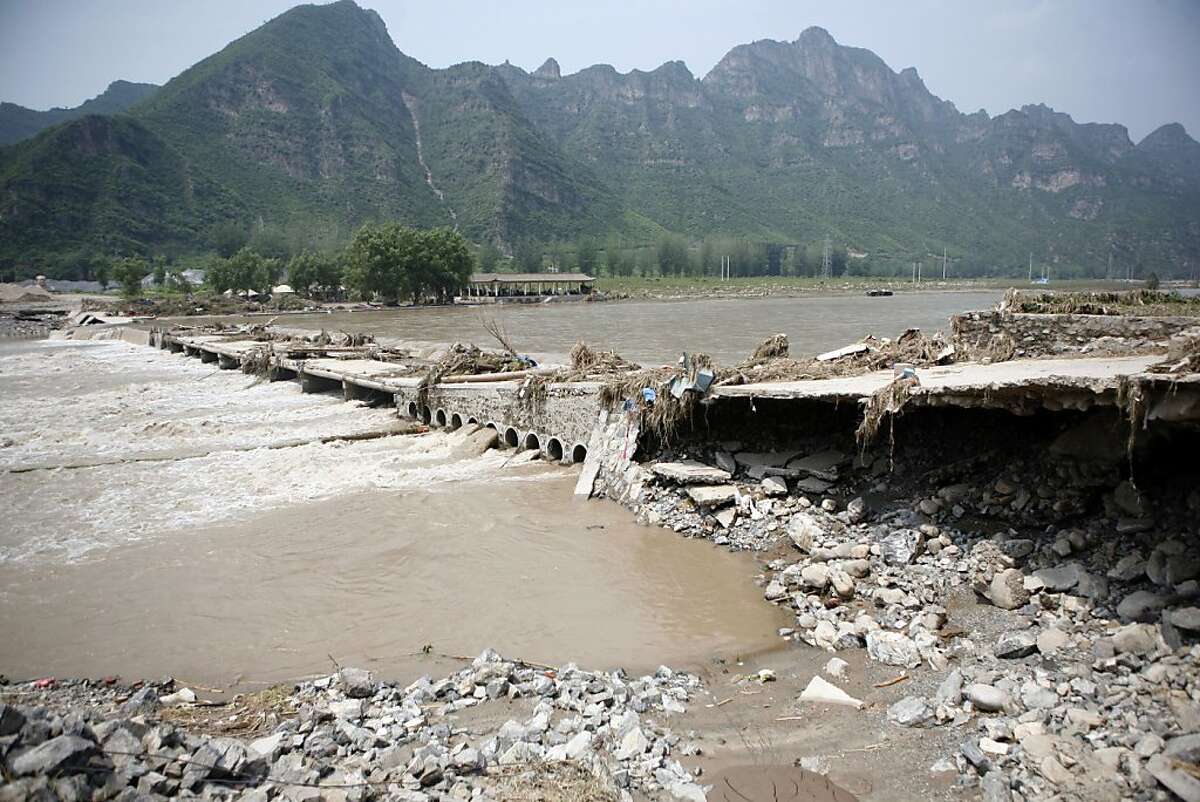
x=823 y=465
x=142 y=703
x=1129 y=499
x=774 y=486
x=994 y=788
x=856 y=510
x=1184 y=747
x=901 y=546
x=725 y=462
x=1035 y=697
x=911 y=711
x=815 y=576
x=1141 y=606
x=11 y=720
x=813 y=486
x=1007 y=590
x=1017 y=548
x=66 y=753
x=950 y=690
x=1186 y=618
x=804 y=530
x=357 y=683
x=1135 y=639
x=1015 y=644
x=892 y=648
x=1059 y=578
x=1181 y=568
x=1128 y=568
x=975 y=756
x=988 y=698
x=1178 y=781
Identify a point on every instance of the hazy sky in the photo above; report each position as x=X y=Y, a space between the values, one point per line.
x=1135 y=62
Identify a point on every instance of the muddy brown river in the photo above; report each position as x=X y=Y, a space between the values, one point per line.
x=222 y=542
x=223 y=565
x=653 y=332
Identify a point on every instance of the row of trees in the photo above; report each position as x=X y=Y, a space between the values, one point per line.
x=387 y=260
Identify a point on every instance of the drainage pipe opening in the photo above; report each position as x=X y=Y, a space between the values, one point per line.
x=440 y=417
x=511 y=438
x=554 y=449
x=533 y=442
x=456 y=422
x=578 y=453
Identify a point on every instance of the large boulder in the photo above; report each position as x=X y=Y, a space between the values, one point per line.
x=64 y=754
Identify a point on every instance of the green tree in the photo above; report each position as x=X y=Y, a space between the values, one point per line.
x=585 y=255
x=489 y=257
x=247 y=271
x=376 y=260
x=129 y=273
x=673 y=256
x=528 y=256
x=270 y=242
x=1152 y=281
x=442 y=264
x=102 y=270
x=180 y=282
x=160 y=271
x=227 y=238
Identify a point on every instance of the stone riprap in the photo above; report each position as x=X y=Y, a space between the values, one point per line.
x=350 y=737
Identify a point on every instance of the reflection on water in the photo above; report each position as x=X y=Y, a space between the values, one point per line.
x=655 y=332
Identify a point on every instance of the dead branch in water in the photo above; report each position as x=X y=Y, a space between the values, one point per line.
x=496 y=329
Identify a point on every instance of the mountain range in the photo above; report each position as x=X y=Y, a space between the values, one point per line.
x=316 y=122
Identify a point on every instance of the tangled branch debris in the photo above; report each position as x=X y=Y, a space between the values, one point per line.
x=496 y=329
x=1183 y=354
x=912 y=347
x=884 y=404
x=1124 y=302
x=773 y=347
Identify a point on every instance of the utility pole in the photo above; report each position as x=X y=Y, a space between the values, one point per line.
x=1031 y=267
x=943 y=263
x=826 y=263
x=914 y=280
x=920 y=267
x=1108 y=274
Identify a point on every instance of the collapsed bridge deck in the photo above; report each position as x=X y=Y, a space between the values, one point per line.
x=559 y=422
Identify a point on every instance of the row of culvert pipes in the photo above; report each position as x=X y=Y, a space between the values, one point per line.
x=552 y=448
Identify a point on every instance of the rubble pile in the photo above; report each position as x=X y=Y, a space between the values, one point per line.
x=1056 y=602
x=353 y=738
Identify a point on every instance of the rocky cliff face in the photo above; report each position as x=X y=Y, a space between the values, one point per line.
x=318 y=120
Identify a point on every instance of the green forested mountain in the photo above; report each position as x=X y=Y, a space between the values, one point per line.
x=18 y=122
x=316 y=122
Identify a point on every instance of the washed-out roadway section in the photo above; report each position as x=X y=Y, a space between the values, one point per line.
x=559 y=423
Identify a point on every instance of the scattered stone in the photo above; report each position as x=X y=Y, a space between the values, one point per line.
x=1015 y=644
x=836 y=667
x=911 y=711
x=1051 y=640
x=1007 y=590
x=65 y=753
x=774 y=486
x=892 y=648
x=1185 y=618
x=901 y=546
x=987 y=698
x=1059 y=578
x=1141 y=605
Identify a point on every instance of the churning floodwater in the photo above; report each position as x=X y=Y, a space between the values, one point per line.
x=219 y=539
x=655 y=332
x=161 y=516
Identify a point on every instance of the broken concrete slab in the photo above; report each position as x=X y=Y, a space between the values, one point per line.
x=691 y=473
x=825 y=692
x=709 y=496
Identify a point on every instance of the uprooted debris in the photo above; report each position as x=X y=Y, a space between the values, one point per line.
x=1183 y=354
x=1125 y=302
x=871 y=354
